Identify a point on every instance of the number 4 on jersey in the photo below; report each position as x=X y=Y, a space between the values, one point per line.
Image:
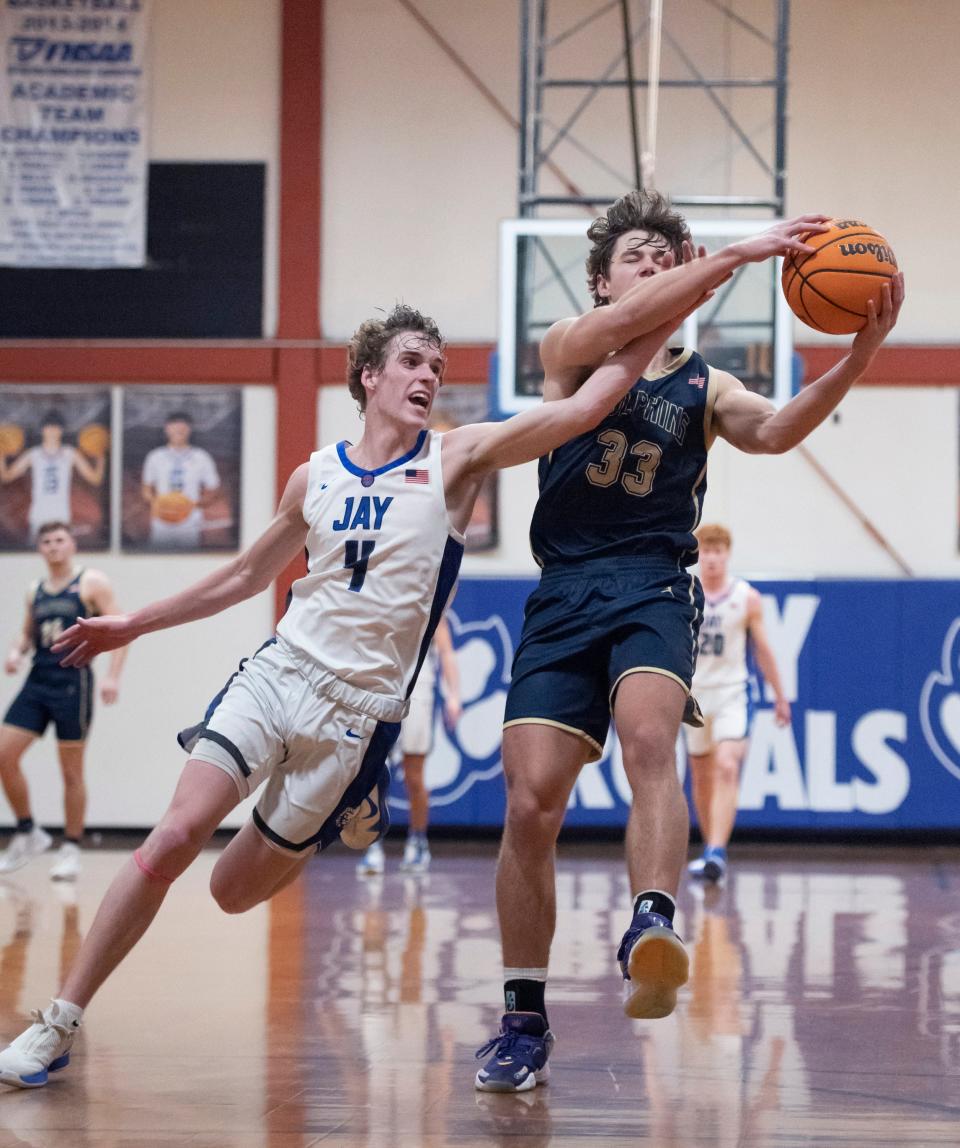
x=356 y=555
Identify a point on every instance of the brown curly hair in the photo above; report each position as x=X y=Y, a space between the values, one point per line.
x=370 y=344
x=636 y=211
x=713 y=534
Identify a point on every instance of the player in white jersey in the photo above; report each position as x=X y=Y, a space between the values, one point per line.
x=315 y=712
x=179 y=469
x=51 y=465
x=416 y=741
x=732 y=614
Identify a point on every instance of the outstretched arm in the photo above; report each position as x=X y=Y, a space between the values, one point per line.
x=482 y=447
x=763 y=652
x=752 y=424
x=91 y=472
x=241 y=578
x=584 y=341
x=10 y=471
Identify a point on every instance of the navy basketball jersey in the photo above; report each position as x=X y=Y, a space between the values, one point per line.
x=635 y=484
x=52 y=614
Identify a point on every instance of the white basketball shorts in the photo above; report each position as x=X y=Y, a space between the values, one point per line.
x=724 y=718
x=318 y=755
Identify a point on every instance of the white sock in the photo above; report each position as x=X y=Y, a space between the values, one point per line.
x=63 y=1012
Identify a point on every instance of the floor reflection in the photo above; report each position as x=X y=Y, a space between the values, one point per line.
x=823 y=1008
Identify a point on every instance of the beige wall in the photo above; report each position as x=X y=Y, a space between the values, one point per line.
x=133 y=760
x=419 y=168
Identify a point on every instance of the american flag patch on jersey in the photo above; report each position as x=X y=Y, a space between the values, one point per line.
x=421 y=476
x=698 y=381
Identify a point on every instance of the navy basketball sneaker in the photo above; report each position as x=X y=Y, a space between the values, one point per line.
x=654 y=964
x=520 y=1052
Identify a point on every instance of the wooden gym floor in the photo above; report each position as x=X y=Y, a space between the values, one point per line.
x=823 y=1009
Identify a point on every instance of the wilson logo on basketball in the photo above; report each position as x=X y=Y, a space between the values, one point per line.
x=880 y=250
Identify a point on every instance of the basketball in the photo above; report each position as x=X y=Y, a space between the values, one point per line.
x=11 y=439
x=173 y=507
x=94 y=439
x=830 y=288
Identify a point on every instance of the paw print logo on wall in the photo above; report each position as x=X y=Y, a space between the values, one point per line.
x=940 y=704
x=469 y=754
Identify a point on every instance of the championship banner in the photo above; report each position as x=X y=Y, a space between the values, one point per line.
x=73 y=155
x=872 y=671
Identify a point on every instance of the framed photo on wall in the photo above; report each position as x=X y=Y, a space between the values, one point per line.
x=455 y=406
x=54 y=464
x=181 y=469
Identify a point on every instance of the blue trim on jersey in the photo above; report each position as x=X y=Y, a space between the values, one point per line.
x=342 y=452
x=447 y=577
x=373 y=772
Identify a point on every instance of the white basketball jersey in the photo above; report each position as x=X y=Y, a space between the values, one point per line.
x=722 y=657
x=50 y=485
x=189 y=470
x=382 y=562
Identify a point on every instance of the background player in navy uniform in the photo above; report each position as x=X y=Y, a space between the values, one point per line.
x=613 y=623
x=315 y=712
x=732 y=615
x=54 y=693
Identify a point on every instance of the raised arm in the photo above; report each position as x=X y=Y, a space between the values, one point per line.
x=763 y=652
x=752 y=424
x=481 y=447
x=91 y=472
x=585 y=340
x=241 y=578
x=10 y=471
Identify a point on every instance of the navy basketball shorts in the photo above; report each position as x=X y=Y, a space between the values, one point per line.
x=61 y=696
x=587 y=627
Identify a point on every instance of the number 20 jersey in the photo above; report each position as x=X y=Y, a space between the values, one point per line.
x=382 y=563
x=635 y=484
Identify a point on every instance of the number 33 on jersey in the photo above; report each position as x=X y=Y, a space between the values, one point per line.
x=625 y=487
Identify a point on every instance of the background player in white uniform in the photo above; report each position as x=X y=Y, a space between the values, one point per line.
x=732 y=612
x=54 y=694
x=315 y=712
x=178 y=468
x=416 y=741
x=51 y=466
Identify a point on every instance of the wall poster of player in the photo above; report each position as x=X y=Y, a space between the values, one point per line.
x=54 y=464
x=453 y=407
x=181 y=469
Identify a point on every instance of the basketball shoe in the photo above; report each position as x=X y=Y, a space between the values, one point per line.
x=712 y=866
x=416 y=854
x=520 y=1052
x=23 y=848
x=66 y=863
x=43 y=1048
x=654 y=964
x=372 y=863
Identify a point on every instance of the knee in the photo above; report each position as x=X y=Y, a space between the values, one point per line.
x=230 y=895
x=172 y=846
x=647 y=752
x=727 y=768
x=533 y=817
x=73 y=779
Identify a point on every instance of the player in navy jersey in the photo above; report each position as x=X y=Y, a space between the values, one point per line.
x=612 y=627
x=54 y=693
x=314 y=713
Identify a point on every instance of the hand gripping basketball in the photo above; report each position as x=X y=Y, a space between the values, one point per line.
x=94 y=439
x=11 y=439
x=830 y=288
x=173 y=507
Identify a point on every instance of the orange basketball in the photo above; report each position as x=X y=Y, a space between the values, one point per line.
x=173 y=507
x=11 y=438
x=94 y=439
x=830 y=288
